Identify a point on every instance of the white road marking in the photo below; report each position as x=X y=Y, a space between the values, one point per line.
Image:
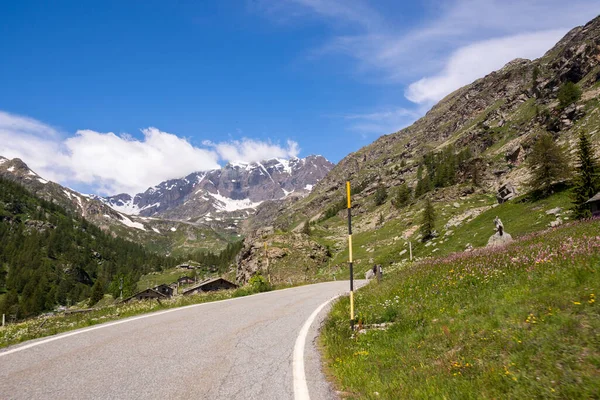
x=300 y=384
x=109 y=324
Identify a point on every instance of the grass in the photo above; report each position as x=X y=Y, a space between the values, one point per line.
x=514 y=322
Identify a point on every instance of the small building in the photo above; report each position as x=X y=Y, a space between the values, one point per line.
x=186 y=280
x=594 y=203
x=211 y=285
x=147 y=294
x=164 y=289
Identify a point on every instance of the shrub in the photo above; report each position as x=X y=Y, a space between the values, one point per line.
x=568 y=94
x=259 y=284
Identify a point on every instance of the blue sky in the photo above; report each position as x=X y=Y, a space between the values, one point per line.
x=117 y=96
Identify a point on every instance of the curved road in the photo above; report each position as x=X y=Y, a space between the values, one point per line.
x=234 y=349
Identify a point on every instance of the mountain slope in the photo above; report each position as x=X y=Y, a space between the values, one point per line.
x=482 y=133
x=50 y=257
x=160 y=235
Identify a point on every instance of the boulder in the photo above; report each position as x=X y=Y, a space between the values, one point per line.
x=497 y=240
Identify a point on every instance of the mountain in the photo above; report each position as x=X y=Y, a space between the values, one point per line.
x=160 y=235
x=224 y=197
x=495 y=118
x=459 y=154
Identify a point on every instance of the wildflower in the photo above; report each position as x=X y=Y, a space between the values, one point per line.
x=576 y=303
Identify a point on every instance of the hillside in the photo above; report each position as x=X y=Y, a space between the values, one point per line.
x=458 y=155
x=160 y=235
x=50 y=258
x=519 y=321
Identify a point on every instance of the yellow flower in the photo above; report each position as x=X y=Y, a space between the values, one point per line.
x=576 y=303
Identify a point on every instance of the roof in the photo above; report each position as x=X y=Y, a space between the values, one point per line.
x=206 y=282
x=143 y=291
x=595 y=198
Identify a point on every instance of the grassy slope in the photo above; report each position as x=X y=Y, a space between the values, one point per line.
x=518 y=322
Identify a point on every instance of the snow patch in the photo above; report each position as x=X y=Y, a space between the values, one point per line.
x=287 y=168
x=125 y=207
x=3 y=160
x=173 y=229
x=11 y=169
x=127 y=222
x=155 y=230
x=308 y=187
x=226 y=204
x=42 y=180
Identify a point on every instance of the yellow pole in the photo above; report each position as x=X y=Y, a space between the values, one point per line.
x=350 y=255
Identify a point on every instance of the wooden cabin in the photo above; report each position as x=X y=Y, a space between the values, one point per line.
x=594 y=203
x=211 y=285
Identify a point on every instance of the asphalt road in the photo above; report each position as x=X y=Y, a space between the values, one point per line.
x=234 y=349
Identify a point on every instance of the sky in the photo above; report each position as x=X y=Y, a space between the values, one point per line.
x=117 y=96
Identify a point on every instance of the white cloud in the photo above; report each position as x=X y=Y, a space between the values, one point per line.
x=250 y=150
x=425 y=49
x=111 y=164
x=477 y=60
x=381 y=122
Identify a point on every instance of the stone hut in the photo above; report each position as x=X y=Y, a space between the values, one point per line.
x=147 y=294
x=211 y=285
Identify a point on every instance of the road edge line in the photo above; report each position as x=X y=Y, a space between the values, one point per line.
x=63 y=335
x=298 y=371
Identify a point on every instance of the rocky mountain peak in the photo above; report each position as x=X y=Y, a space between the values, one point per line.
x=227 y=194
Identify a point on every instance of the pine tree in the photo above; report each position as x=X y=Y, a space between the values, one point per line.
x=548 y=164
x=97 y=292
x=428 y=221
x=306 y=228
x=380 y=195
x=587 y=177
x=402 y=196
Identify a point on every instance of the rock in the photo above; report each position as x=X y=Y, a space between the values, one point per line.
x=515 y=155
x=456 y=205
x=555 y=223
x=403 y=252
x=506 y=192
x=497 y=240
x=469 y=247
x=554 y=211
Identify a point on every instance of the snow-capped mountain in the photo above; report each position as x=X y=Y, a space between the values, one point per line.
x=162 y=235
x=233 y=191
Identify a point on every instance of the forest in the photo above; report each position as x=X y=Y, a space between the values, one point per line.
x=49 y=257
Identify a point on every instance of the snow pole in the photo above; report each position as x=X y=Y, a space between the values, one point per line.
x=350 y=256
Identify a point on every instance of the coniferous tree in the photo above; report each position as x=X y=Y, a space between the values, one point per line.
x=97 y=292
x=306 y=228
x=548 y=164
x=427 y=221
x=380 y=195
x=587 y=177
x=403 y=194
